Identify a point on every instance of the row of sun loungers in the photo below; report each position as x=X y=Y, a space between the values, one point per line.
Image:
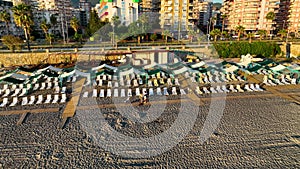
x=230 y=88
x=34 y=100
x=270 y=80
x=135 y=92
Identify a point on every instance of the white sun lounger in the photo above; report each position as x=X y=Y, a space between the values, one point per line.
x=257 y=87
x=247 y=88
x=231 y=88
x=74 y=79
x=271 y=82
x=56 y=98
x=239 y=89
x=283 y=80
x=206 y=91
x=4 y=102
x=109 y=84
x=23 y=92
x=288 y=77
x=252 y=87
x=240 y=79
x=233 y=77
x=14 y=102
x=85 y=94
x=150 y=83
x=108 y=94
x=63 y=89
x=129 y=93
x=7 y=92
x=16 y=92
x=128 y=83
x=182 y=92
x=63 y=98
x=294 y=81
x=228 y=77
x=212 y=89
x=101 y=93
x=95 y=93
x=151 y=92
x=174 y=92
x=219 y=90
x=116 y=93
x=43 y=86
x=224 y=88
x=177 y=82
x=135 y=83
x=100 y=82
x=48 y=99
x=169 y=81
x=158 y=91
x=56 y=89
x=122 y=94
x=49 y=85
x=166 y=91
x=278 y=82
x=28 y=86
x=206 y=79
x=36 y=86
x=5 y=86
x=13 y=87
x=32 y=99
x=40 y=99
x=137 y=92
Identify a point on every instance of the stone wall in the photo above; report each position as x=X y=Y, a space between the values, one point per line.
x=295 y=49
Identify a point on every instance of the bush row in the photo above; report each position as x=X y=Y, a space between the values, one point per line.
x=236 y=49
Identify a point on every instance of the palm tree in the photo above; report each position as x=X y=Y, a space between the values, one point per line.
x=23 y=18
x=261 y=33
x=282 y=33
x=250 y=35
x=5 y=17
x=74 y=23
x=215 y=33
x=213 y=19
x=240 y=29
x=224 y=17
x=270 y=16
x=166 y=34
x=45 y=27
x=191 y=34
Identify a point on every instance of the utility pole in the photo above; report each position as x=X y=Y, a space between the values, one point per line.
x=62 y=27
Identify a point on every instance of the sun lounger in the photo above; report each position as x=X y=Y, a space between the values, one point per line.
x=49 y=85
x=149 y=83
x=271 y=82
x=257 y=87
x=198 y=91
x=231 y=88
x=101 y=93
x=129 y=93
x=32 y=99
x=182 y=92
x=155 y=83
x=56 y=89
x=169 y=81
x=24 y=101
x=158 y=91
x=16 y=92
x=74 y=79
x=174 y=92
x=40 y=99
x=210 y=78
x=161 y=81
x=108 y=93
x=95 y=93
x=288 y=77
x=239 y=89
x=48 y=99
x=5 y=86
x=85 y=94
x=43 y=86
x=228 y=77
x=212 y=89
x=109 y=77
x=206 y=79
x=7 y=92
x=109 y=84
x=100 y=82
x=116 y=93
x=13 y=87
x=56 y=98
x=252 y=87
x=122 y=93
x=23 y=92
x=135 y=83
x=63 y=89
x=294 y=81
x=128 y=83
x=247 y=88
x=14 y=102
x=240 y=79
x=36 y=86
x=63 y=98
x=224 y=88
x=28 y=86
x=140 y=81
x=206 y=91
x=4 y=102
x=151 y=92
x=166 y=91
x=283 y=80
x=177 y=82
x=137 y=92
x=21 y=86
x=219 y=90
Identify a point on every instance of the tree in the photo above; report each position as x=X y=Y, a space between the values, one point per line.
x=215 y=33
x=191 y=34
x=12 y=42
x=45 y=27
x=225 y=34
x=5 y=17
x=23 y=18
x=282 y=33
x=270 y=16
x=153 y=37
x=94 y=23
x=240 y=29
x=262 y=33
x=224 y=17
x=166 y=34
x=212 y=20
x=74 y=23
x=250 y=35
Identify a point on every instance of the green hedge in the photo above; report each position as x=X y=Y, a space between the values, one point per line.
x=236 y=49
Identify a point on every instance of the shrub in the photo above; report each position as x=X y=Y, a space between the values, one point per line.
x=12 y=42
x=236 y=49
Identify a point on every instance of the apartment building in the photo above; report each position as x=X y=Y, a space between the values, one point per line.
x=178 y=16
x=293 y=22
x=126 y=10
x=13 y=29
x=202 y=11
x=149 y=6
x=251 y=14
